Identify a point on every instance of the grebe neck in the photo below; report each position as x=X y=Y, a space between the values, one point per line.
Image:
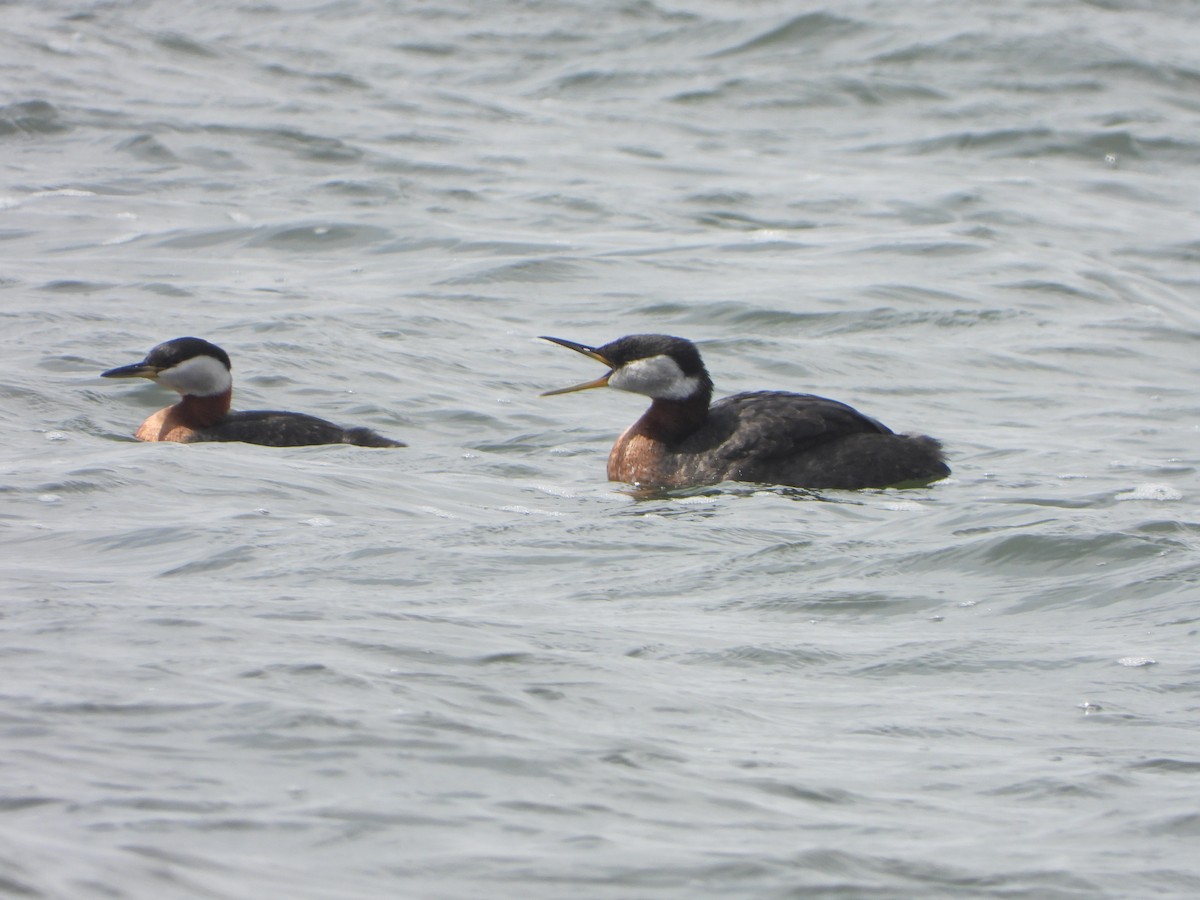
x=204 y=412
x=670 y=421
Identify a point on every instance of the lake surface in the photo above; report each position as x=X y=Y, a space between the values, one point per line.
x=473 y=667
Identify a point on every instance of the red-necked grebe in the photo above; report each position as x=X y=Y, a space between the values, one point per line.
x=769 y=437
x=200 y=372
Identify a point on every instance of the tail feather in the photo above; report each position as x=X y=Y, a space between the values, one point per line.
x=365 y=437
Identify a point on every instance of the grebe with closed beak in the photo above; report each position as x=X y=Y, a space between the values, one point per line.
x=200 y=372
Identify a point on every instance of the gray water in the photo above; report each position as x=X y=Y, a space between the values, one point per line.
x=473 y=667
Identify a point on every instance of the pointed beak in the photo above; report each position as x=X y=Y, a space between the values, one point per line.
x=590 y=352
x=137 y=370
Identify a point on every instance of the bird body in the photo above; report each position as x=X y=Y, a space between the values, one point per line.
x=772 y=437
x=200 y=372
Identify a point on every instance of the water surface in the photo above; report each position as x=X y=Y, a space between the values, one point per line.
x=473 y=666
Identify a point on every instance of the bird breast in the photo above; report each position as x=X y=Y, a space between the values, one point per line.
x=637 y=459
x=166 y=425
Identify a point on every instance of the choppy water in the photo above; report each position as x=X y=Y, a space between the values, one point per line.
x=473 y=668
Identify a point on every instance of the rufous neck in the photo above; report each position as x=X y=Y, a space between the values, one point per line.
x=673 y=420
x=203 y=412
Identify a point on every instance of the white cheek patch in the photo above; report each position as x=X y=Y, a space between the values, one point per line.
x=202 y=376
x=684 y=388
x=655 y=376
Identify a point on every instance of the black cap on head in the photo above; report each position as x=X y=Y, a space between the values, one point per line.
x=171 y=353
x=642 y=346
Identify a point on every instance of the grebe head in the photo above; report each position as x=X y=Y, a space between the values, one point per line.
x=656 y=365
x=189 y=365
